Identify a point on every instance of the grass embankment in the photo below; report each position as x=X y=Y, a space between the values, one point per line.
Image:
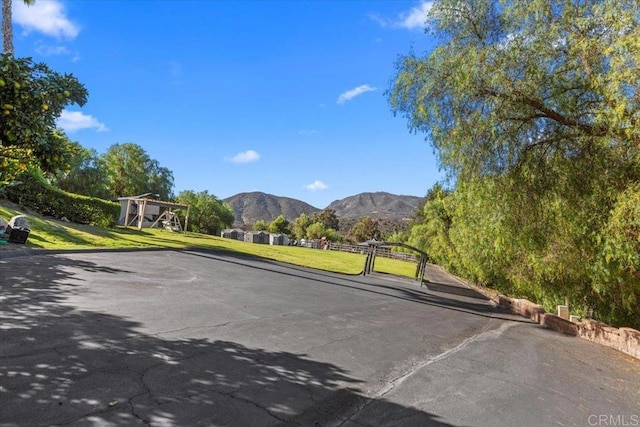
x=47 y=233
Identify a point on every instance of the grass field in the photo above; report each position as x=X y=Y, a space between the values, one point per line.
x=48 y=233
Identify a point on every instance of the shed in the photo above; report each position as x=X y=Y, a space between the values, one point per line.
x=278 y=239
x=257 y=237
x=233 y=233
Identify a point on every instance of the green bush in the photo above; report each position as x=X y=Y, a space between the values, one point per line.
x=32 y=191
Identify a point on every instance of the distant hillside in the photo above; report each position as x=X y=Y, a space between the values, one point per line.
x=250 y=207
x=377 y=205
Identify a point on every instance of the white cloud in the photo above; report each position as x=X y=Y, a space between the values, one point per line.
x=72 y=121
x=316 y=185
x=49 y=50
x=383 y=22
x=46 y=17
x=415 y=18
x=352 y=93
x=245 y=157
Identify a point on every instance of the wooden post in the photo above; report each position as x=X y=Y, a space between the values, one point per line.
x=126 y=217
x=162 y=215
x=141 y=214
x=186 y=220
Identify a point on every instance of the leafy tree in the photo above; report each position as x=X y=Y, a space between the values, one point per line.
x=532 y=108
x=366 y=228
x=399 y=237
x=86 y=174
x=332 y=235
x=32 y=97
x=130 y=171
x=207 y=213
x=300 y=225
x=7 y=25
x=317 y=230
x=260 y=225
x=57 y=155
x=279 y=225
x=328 y=218
x=431 y=233
x=160 y=180
x=519 y=81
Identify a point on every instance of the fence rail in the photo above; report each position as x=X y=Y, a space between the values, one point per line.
x=381 y=251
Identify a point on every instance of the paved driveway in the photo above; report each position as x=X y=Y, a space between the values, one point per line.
x=194 y=338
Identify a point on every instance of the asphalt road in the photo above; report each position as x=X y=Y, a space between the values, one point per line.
x=185 y=338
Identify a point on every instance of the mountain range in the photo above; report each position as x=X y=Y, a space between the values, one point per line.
x=252 y=206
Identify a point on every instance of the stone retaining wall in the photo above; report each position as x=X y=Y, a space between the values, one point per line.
x=626 y=340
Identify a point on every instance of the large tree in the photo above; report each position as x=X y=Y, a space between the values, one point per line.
x=207 y=213
x=7 y=25
x=86 y=174
x=130 y=171
x=328 y=218
x=300 y=224
x=533 y=109
x=512 y=81
x=32 y=97
x=279 y=225
x=366 y=228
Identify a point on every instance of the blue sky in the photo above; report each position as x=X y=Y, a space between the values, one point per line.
x=282 y=97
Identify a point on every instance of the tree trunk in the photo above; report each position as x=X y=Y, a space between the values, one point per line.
x=7 y=29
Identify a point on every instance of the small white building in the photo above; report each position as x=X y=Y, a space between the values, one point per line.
x=278 y=239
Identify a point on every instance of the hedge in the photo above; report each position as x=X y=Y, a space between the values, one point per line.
x=31 y=190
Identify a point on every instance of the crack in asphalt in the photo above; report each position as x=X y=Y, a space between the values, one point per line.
x=186 y=328
x=251 y=402
x=395 y=382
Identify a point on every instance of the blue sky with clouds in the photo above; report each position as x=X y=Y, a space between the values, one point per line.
x=284 y=97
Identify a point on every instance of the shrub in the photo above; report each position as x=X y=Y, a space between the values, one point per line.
x=34 y=192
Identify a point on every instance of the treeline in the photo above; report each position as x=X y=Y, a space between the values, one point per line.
x=534 y=111
x=325 y=224
x=41 y=168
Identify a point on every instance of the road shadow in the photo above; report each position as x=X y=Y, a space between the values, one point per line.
x=376 y=284
x=455 y=290
x=60 y=365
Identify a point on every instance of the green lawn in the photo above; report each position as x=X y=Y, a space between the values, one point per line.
x=47 y=233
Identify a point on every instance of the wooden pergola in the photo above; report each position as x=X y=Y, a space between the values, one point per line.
x=167 y=215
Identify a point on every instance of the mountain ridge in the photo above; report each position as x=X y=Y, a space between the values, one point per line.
x=377 y=205
x=249 y=207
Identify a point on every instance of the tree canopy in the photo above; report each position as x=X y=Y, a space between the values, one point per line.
x=300 y=225
x=207 y=213
x=533 y=108
x=86 y=174
x=260 y=225
x=32 y=97
x=279 y=225
x=511 y=82
x=366 y=228
x=130 y=171
x=328 y=218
